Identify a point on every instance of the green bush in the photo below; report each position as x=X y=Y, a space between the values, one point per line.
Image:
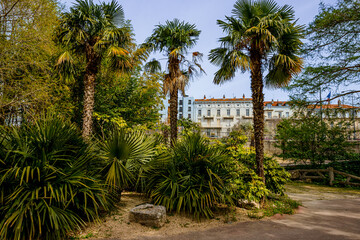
x=275 y=175
x=47 y=185
x=190 y=177
x=308 y=137
x=124 y=153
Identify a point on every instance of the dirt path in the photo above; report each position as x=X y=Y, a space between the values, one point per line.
x=327 y=213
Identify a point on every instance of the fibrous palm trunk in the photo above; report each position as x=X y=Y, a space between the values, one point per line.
x=174 y=74
x=92 y=67
x=173 y=116
x=258 y=110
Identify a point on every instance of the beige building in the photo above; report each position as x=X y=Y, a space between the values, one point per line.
x=217 y=116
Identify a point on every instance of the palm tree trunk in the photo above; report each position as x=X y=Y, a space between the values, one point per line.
x=258 y=110
x=173 y=116
x=92 y=67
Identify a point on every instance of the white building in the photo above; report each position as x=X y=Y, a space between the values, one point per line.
x=217 y=116
x=185 y=108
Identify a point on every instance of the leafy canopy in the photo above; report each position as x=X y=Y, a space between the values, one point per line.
x=332 y=52
x=175 y=38
x=95 y=31
x=265 y=28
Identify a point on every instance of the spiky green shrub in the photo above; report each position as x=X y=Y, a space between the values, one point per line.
x=47 y=184
x=189 y=177
x=123 y=154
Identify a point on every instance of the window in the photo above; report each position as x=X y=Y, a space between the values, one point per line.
x=209 y=112
x=247 y=112
x=228 y=112
x=287 y=114
x=280 y=114
x=218 y=112
x=180 y=116
x=189 y=116
x=189 y=109
x=189 y=101
x=208 y=131
x=237 y=112
x=180 y=109
x=199 y=112
x=269 y=115
x=181 y=102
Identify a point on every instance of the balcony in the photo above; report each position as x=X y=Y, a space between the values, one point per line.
x=228 y=117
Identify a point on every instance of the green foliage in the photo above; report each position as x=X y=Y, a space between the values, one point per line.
x=308 y=137
x=26 y=50
x=124 y=153
x=190 y=178
x=275 y=175
x=47 y=183
x=276 y=205
x=129 y=101
x=332 y=52
x=188 y=126
x=260 y=28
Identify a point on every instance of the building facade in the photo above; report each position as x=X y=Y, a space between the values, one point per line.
x=217 y=116
x=185 y=108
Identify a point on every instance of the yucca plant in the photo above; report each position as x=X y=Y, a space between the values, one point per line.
x=190 y=178
x=47 y=186
x=123 y=154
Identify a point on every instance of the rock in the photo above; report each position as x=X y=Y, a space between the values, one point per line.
x=148 y=215
x=243 y=203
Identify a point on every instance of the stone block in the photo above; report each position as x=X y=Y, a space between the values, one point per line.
x=149 y=215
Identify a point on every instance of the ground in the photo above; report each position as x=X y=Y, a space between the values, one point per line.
x=327 y=213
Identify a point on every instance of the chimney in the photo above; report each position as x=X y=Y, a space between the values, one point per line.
x=204 y=96
x=243 y=96
x=224 y=96
x=339 y=103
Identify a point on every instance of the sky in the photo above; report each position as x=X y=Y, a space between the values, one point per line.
x=146 y=14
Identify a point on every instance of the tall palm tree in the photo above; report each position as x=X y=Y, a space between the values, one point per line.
x=175 y=38
x=95 y=33
x=259 y=35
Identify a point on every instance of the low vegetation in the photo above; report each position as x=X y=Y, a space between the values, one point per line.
x=52 y=181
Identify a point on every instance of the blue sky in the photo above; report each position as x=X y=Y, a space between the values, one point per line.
x=145 y=14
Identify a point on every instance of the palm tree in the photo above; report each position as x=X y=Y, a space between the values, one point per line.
x=259 y=34
x=175 y=38
x=94 y=33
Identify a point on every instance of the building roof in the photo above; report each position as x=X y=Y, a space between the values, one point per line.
x=275 y=103
x=222 y=99
x=331 y=106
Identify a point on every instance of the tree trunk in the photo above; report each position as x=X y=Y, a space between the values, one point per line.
x=258 y=110
x=92 y=67
x=173 y=116
x=174 y=74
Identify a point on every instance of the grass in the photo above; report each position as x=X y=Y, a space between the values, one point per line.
x=275 y=205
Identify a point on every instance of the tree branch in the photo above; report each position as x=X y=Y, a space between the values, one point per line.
x=12 y=7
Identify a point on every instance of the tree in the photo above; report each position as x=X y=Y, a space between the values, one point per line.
x=305 y=138
x=175 y=38
x=332 y=52
x=135 y=99
x=259 y=34
x=26 y=50
x=97 y=33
